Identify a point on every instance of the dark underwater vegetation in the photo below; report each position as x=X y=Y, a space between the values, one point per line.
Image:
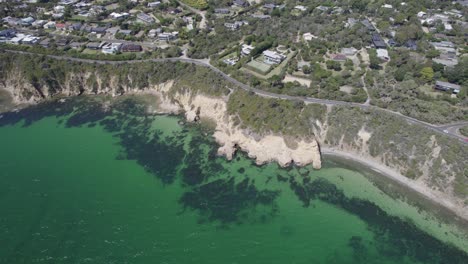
x=230 y=195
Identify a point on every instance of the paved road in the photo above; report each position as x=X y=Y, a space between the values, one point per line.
x=447 y=129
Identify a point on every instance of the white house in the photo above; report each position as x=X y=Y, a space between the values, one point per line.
x=422 y=14
x=309 y=36
x=301 y=8
x=272 y=57
x=246 y=49
x=154 y=4
x=111 y=48
x=49 y=25
x=383 y=54
x=117 y=16
x=168 y=36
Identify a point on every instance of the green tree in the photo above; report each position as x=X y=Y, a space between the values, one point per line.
x=427 y=74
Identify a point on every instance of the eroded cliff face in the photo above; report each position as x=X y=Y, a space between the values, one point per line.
x=176 y=98
x=231 y=137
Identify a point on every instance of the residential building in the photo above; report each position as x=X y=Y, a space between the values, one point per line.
x=222 y=11
x=142 y=17
x=234 y=26
x=27 y=21
x=246 y=49
x=76 y=45
x=111 y=48
x=154 y=4
x=49 y=25
x=62 y=42
x=117 y=16
x=154 y=32
x=93 y=45
x=301 y=8
x=348 y=51
x=240 y=3
x=30 y=40
x=231 y=26
x=45 y=43
x=269 y=6
x=125 y=32
x=309 y=36
x=383 y=54
x=272 y=57
x=131 y=48
x=378 y=42
x=339 y=57
x=261 y=16
x=39 y=23
x=366 y=23
x=446 y=86
x=8 y=33
x=168 y=36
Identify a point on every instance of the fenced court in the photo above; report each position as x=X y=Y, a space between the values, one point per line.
x=258 y=66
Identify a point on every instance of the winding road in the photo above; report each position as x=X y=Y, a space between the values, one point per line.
x=446 y=129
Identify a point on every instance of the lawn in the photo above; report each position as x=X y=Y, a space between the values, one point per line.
x=198 y=4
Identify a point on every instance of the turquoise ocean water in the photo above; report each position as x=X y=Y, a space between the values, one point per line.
x=80 y=184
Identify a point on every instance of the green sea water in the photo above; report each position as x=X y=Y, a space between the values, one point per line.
x=80 y=183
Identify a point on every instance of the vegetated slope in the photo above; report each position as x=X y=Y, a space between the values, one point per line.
x=31 y=78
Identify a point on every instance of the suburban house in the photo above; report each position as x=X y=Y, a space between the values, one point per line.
x=261 y=16
x=62 y=42
x=8 y=33
x=366 y=23
x=111 y=48
x=27 y=21
x=231 y=26
x=76 y=45
x=168 y=36
x=45 y=43
x=272 y=57
x=339 y=57
x=94 y=45
x=154 y=32
x=154 y=4
x=144 y=18
x=301 y=8
x=30 y=40
x=222 y=11
x=234 y=26
x=446 y=86
x=378 y=42
x=246 y=49
x=131 y=48
x=383 y=54
x=240 y=3
x=348 y=51
x=38 y=23
x=117 y=16
x=49 y=25
x=309 y=36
